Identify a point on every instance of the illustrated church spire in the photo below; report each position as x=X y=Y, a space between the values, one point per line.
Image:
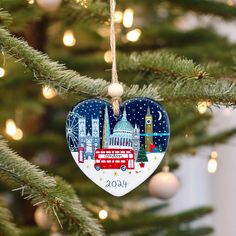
x=106 y=129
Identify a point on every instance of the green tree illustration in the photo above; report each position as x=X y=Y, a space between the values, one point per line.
x=142 y=157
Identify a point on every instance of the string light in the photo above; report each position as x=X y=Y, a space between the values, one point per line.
x=212 y=163
x=203 y=106
x=107 y=56
x=2 y=72
x=118 y=16
x=31 y=1
x=128 y=18
x=103 y=214
x=69 y=38
x=48 y=92
x=133 y=35
x=83 y=3
x=18 y=135
x=10 y=127
x=230 y=2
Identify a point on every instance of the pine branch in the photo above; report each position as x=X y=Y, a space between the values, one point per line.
x=184 y=144
x=56 y=195
x=57 y=76
x=161 y=222
x=188 y=121
x=207 y=7
x=200 y=231
x=5 y=18
x=7 y=228
x=215 y=91
x=90 y=10
x=164 y=65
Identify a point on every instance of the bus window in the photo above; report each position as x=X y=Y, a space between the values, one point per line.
x=117 y=161
x=103 y=161
x=122 y=161
x=109 y=161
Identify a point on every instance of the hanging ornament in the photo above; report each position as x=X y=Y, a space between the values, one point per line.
x=42 y=219
x=56 y=234
x=117 y=145
x=164 y=185
x=49 y=5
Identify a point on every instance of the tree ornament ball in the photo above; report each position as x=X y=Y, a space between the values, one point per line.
x=49 y=5
x=164 y=185
x=115 y=90
x=42 y=219
x=56 y=234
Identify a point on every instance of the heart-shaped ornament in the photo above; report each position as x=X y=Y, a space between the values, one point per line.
x=118 y=153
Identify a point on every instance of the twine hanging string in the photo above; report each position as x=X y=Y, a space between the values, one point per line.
x=113 y=42
x=116 y=97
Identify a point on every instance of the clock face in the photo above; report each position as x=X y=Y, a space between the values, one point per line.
x=148 y=121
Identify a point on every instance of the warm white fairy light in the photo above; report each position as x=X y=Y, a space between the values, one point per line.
x=11 y=127
x=2 y=72
x=103 y=214
x=230 y=2
x=133 y=35
x=118 y=16
x=83 y=3
x=128 y=18
x=31 y=1
x=107 y=56
x=212 y=163
x=203 y=106
x=69 y=38
x=48 y=92
x=18 y=135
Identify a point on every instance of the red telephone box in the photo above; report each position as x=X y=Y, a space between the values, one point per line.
x=81 y=155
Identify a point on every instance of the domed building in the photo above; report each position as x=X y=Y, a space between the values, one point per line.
x=124 y=135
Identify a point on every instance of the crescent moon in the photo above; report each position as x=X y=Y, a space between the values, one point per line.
x=160 y=115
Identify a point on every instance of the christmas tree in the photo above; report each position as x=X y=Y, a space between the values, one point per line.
x=187 y=70
x=142 y=157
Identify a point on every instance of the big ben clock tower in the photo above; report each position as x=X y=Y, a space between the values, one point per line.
x=148 y=129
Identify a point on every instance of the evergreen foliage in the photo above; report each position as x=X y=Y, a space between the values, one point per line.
x=156 y=67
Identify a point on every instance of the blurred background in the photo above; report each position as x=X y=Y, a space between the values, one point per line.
x=202 y=145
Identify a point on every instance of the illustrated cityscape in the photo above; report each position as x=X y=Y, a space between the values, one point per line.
x=95 y=134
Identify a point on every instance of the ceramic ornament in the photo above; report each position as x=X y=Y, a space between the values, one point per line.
x=118 y=153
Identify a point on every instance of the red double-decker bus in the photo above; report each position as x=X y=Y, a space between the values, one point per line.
x=110 y=158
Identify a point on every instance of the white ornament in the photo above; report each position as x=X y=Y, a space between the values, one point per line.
x=115 y=90
x=56 y=234
x=49 y=5
x=164 y=185
x=42 y=219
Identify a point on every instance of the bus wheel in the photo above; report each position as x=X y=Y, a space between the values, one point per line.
x=123 y=168
x=97 y=168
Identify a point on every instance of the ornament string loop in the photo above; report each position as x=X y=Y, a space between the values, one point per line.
x=115 y=90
